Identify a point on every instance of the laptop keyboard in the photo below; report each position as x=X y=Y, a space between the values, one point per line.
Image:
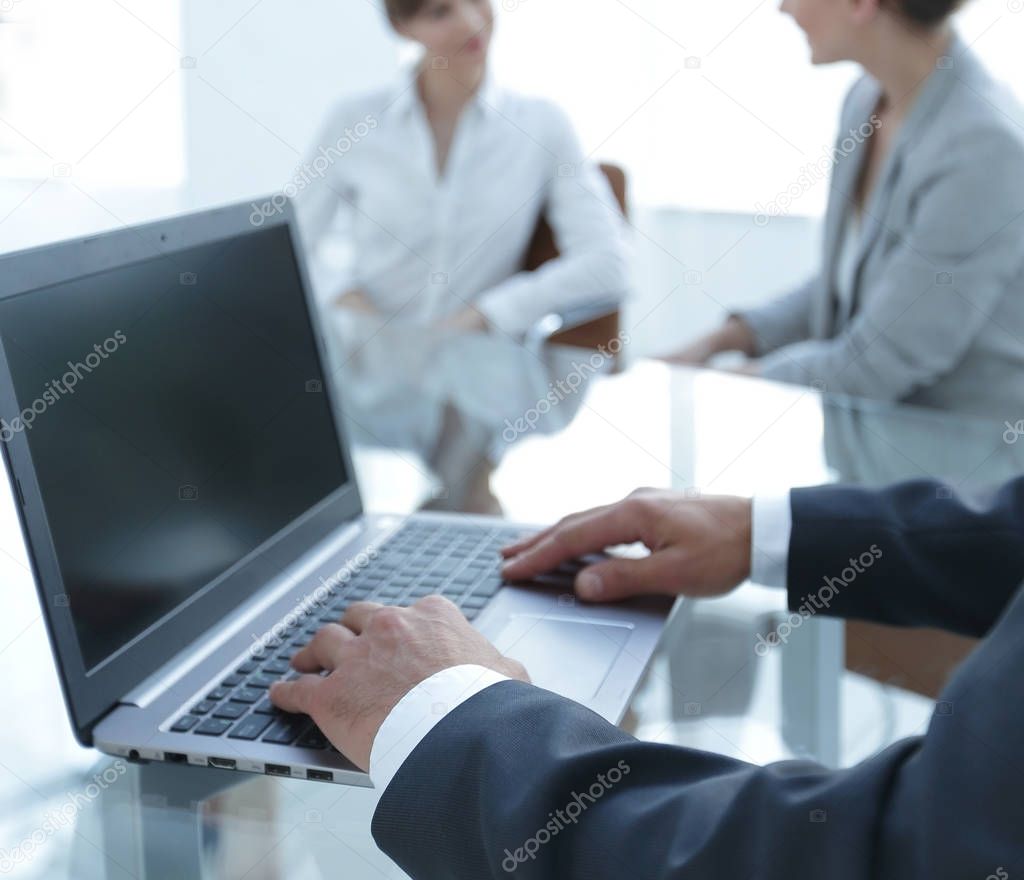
x=460 y=562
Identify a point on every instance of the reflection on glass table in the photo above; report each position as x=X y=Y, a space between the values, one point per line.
x=69 y=812
x=451 y=404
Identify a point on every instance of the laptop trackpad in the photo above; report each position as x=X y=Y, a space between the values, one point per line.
x=569 y=657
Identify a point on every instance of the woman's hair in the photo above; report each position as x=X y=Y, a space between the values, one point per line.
x=925 y=13
x=399 y=10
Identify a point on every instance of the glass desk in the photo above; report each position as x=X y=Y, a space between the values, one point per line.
x=70 y=812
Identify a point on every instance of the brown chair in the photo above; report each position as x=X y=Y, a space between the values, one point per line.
x=586 y=327
x=920 y=660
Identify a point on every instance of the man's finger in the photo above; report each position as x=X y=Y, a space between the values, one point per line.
x=525 y=543
x=298 y=695
x=358 y=614
x=588 y=534
x=517 y=547
x=616 y=579
x=324 y=650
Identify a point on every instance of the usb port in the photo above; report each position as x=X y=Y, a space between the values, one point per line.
x=175 y=757
x=320 y=775
x=223 y=763
x=277 y=770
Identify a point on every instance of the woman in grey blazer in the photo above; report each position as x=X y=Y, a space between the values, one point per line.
x=920 y=296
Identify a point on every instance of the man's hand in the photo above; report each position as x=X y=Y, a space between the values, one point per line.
x=699 y=547
x=373 y=658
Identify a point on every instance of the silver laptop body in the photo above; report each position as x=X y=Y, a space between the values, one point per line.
x=188 y=530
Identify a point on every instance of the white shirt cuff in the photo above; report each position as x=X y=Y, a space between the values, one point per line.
x=772 y=525
x=418 y=711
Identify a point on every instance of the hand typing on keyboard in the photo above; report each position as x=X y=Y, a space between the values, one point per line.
x=373 y=657
x=698 y=547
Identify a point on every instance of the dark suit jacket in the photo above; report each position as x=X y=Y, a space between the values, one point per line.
x=489 y=792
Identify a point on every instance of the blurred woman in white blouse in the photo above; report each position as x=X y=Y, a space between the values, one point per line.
x=432 y=187
x=417 y=205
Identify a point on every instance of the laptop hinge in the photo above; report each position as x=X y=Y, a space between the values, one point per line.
x=144 y=693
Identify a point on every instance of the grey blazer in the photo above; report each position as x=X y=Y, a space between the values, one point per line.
x=938 y=309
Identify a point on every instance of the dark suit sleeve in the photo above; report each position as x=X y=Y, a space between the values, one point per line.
x=910 y=555
x=518 y=782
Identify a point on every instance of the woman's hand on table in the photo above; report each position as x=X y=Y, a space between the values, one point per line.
x=467 y=320
x=356 y=300
x=734 y=335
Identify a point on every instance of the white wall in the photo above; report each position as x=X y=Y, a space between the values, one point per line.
x=712 y=106
x=257 y=95
x=692 y=267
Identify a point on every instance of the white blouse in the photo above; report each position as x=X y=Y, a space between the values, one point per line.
x=374 y=213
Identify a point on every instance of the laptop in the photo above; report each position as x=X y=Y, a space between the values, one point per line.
x=177 y=454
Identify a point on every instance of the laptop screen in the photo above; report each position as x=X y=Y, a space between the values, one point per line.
x=175 y=413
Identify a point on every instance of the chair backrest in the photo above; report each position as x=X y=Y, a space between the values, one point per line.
x=600 y=330
x=543 y=248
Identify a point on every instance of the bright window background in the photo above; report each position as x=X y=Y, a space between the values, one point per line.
x=92 y=88
x=709 y=106
x=731 y=128
x=123 y=111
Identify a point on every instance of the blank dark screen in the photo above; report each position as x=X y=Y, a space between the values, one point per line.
x=180 y=422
